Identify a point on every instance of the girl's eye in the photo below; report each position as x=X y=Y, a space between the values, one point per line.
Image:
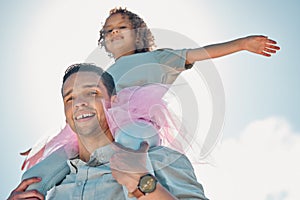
x=116 y=28
x=107 y=31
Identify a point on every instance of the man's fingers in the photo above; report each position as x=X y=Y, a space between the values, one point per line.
x=144 y=147
x=25 y=183
x=31 y=194
x=118 y=147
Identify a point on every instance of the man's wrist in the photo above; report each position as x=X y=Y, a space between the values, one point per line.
x=131 y=185
x=146 y=185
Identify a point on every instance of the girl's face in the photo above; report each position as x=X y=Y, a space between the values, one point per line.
x=119 y=37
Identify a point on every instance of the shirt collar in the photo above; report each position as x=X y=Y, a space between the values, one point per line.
x=100 y=156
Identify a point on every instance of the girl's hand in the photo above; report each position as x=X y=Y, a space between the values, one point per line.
x=260 y=45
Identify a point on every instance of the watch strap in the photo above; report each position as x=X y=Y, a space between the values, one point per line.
x=136 y=193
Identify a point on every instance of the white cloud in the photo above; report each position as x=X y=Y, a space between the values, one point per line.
x=262 y=163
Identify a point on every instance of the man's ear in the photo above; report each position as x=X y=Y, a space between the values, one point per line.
x=109 y=102
x=113 y=99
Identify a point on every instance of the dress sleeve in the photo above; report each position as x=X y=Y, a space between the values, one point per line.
x=175 y=172
x=172 y=58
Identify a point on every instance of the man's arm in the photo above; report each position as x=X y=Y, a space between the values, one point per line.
x=128 y=166
x=175 y=173
x=21 y=193
x=256 y=44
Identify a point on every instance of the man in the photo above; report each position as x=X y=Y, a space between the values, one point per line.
x=103 y=167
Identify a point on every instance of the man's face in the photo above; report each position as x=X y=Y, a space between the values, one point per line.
x=82 y=96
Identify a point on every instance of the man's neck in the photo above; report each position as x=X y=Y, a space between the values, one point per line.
x=87 y=145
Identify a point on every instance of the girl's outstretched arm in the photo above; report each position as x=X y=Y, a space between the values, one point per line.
x=256 y=44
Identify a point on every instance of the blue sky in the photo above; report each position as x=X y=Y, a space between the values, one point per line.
x=39 y=39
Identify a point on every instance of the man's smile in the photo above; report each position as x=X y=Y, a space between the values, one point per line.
x=84 y=116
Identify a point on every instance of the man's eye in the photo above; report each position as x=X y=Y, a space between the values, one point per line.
x=122 y=27
x=69 y=99
x=93 y=93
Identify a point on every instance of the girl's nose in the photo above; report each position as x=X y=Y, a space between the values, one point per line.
x=115 y=30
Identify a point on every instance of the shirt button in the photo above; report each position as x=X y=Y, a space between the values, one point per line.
x=79 y=183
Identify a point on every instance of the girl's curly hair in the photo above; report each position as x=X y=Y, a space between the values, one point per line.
x=144 y=37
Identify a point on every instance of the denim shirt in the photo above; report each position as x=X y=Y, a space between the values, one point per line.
x=93 y=180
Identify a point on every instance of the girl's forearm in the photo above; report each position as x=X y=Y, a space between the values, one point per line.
x=214 y=50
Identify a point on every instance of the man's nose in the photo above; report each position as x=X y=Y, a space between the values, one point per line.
x=80 y=101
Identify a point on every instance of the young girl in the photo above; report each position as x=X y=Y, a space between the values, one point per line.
x=126 y=37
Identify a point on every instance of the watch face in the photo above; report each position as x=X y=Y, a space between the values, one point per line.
x=147 y=183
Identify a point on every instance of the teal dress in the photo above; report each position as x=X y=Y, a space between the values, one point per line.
x=159 y=66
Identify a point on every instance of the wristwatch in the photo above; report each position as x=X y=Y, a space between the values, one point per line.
x=147 y=184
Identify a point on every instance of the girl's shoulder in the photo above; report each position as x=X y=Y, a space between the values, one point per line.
x=164 y=49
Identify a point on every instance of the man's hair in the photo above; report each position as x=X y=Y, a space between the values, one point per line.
x=144 y=37
x=106 y=78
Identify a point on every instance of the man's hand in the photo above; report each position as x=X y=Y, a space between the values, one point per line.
x=260 y=45
x=21 y=193
x=129 y=165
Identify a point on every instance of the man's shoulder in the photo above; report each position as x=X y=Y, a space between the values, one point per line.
x=166 y=155
x=159 y=149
